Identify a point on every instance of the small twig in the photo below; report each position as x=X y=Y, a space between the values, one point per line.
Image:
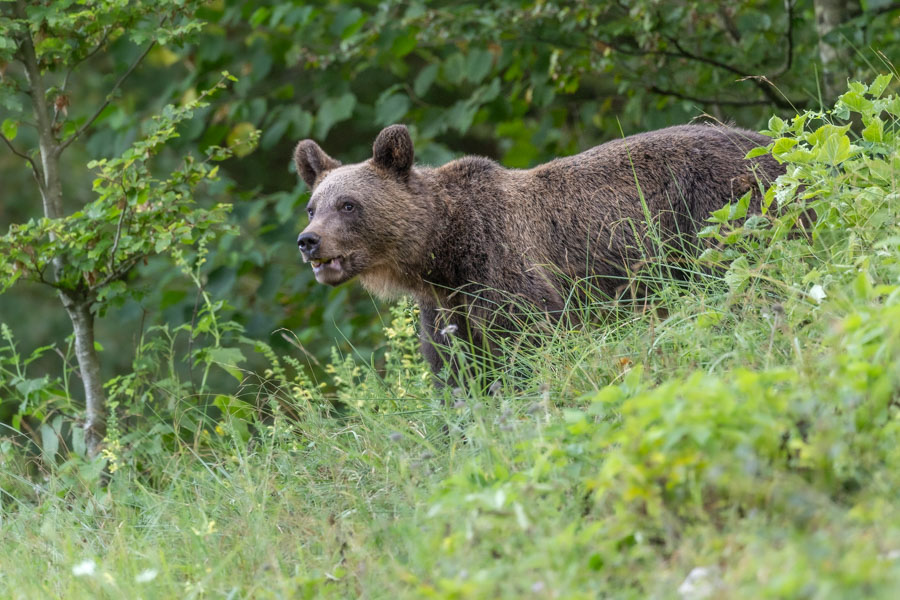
x=115 y=246
x=293 y=341
x=45 y=281
x=683 y=53
x=120 y=272
x=15 y=151
x=190 y=361
x=86 y=57
x=787 y=102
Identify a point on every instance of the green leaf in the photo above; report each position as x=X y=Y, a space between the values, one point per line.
x=227 y=359
x=878 y=86
x=404 y=44
x=776 y=124
x=738 y=274
x=758 y=151
x=856 y=102
x=608 y=395
x=241 y=139
x=163 y=241
x=49 y=442
x=782 y=145
x=874 y=131
x=424 y=79
x=460 y=115
x=274 y=133
x=391 y=109
x=332 y=111
x=455 y=68
x=78 y=445
x=721 y=215
x=10 y=129
x=478 y=64
x=798 y=156
x=235 y=407
x=302 y=123
x=739 y=209
x=259 y=16
x=348 y=22
x=835 y=150
x=710 y=255
x=823 y=133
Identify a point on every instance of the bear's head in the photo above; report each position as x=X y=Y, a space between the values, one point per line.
x=370 y=219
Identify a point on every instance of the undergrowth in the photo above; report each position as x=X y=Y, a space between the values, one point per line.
x=735 y=438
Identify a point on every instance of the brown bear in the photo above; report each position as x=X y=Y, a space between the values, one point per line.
x=473 y=242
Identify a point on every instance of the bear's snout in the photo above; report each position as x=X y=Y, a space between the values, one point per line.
x=308 y=242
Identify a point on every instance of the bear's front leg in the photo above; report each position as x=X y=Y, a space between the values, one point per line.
x=433 y=340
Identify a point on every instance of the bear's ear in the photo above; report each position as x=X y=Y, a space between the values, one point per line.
x=312 y=161
x=393 y=150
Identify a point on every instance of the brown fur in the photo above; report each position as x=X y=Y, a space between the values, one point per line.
x=470 y=239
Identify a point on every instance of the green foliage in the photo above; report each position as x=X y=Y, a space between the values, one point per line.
x=67 y=33
x=406 y=383
x=39 y=397
x=88 y=254
x=135 y=215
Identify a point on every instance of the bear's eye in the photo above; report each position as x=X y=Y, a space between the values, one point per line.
x=310 y=211
x=348 y=207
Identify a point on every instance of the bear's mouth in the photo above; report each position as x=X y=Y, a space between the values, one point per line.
x=331 y=263
x=330 y=271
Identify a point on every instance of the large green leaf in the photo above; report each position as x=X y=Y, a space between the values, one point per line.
x=334 y=111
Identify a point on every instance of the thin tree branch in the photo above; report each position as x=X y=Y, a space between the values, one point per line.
x=684 y=53
x=128 y=264
x=43 y=280
x=115 y=246
x=730 y=27
x=662 y=92
x=190 y=347
x=789 y=34
x=109 y=95
x=86 y=57
x=34 y=166
x=761 y=82
x=765 y=89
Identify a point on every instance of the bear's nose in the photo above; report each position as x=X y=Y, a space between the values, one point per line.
x=308 y=243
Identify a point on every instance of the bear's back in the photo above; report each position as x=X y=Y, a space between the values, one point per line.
x=626 y=195
x=597 y=212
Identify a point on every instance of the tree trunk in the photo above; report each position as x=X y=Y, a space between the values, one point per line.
x=77 y=305
x=89 y=365
x=835 y=57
